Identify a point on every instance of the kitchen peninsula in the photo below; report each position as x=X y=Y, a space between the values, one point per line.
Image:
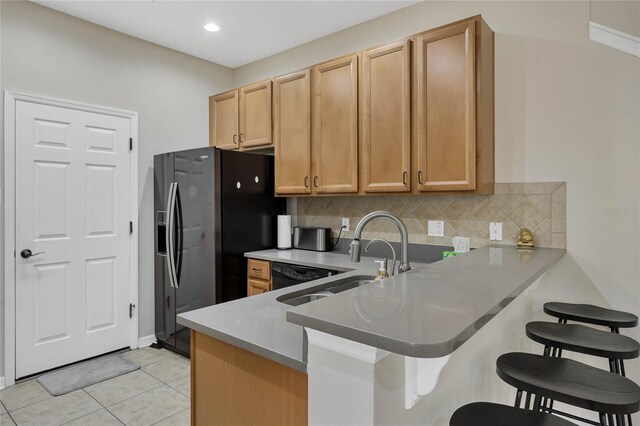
x=266 y=359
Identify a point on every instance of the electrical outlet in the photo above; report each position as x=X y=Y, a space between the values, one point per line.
x=495 y=231
x=435 y=228
x=345 y=224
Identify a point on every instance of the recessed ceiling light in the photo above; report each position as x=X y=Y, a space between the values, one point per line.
x=211 y=28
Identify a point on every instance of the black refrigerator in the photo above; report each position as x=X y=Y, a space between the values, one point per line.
x=211 y=206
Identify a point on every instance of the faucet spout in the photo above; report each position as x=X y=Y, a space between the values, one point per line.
x=356 y=245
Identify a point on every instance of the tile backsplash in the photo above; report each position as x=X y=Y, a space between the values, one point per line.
x=539 y=206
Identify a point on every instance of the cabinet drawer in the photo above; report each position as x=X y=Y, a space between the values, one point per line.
x=255 y=287
x=260 y=269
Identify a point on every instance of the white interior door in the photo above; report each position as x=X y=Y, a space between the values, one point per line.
x=72 y=212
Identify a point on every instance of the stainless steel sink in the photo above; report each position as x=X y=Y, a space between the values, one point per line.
x=307 y=295
x=301 y=300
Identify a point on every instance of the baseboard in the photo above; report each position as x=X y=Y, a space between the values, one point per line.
x=3 y=383
x=613 y=38
x=145 y=341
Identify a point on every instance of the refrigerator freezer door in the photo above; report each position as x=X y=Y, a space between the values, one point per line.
x=194 y=175
x=165 y=313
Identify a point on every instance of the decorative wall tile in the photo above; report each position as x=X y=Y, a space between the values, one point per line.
x=539 y=206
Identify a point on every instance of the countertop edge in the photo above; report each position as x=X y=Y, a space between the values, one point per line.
x=415 y=350
x=271 y=258
x=243 y=344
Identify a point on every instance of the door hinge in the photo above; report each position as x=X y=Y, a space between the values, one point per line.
x=130 y=144
x=130 y=228
x=131 y=306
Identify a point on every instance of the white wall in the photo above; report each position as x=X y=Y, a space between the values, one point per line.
x=48 y=53
x=567 y=109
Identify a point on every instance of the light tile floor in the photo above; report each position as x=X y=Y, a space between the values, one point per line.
x=156 y=394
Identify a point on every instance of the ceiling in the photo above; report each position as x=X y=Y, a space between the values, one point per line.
x=250 y=30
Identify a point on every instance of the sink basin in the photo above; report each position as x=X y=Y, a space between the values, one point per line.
x=301 y=300
x=307 y=295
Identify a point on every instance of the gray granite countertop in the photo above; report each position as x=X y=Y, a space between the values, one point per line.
x=426 y=312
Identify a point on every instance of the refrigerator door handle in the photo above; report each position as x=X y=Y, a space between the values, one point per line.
x=178 y=262
x=171 y=201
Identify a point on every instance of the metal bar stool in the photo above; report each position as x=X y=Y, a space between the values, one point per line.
x=591 y=314
x=490 y=414
x=596 y=315
x=571 y=382
x=582 y=339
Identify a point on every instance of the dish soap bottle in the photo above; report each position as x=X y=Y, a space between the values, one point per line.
x=382 y=271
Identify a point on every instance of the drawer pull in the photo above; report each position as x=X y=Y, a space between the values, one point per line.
x=404 y=178
x=256 y=269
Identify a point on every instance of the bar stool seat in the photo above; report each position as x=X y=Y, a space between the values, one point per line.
x=490 y=414
x=583 y=339
x=591 y=314
x=571 y=382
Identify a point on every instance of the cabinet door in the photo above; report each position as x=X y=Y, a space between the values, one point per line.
x=335 y=126
x=257 y=287
x=292 y=132
x=446 y=108
x=386 y=114
x=223 y=120
x=255 y=115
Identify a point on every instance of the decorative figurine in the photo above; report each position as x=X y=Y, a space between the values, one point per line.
x=526 y=238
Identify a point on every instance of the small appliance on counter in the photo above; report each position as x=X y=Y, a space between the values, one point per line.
x=312 y=238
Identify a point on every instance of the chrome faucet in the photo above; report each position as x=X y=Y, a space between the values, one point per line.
x=356 y=245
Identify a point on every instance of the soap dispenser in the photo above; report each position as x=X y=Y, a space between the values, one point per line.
x=382 y=271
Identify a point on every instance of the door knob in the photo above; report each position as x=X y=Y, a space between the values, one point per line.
x=26 y=253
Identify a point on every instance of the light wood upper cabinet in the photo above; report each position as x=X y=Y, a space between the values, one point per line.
x=292 y=132
x=223 y=120
x=386 y=118
x=241 y=119
x=414 y=116
x=255 y=115
x=451 y=109
x=335 y=126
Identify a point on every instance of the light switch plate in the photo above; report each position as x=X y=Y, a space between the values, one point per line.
x=435 y=228
x=495 y=231
x=345 y=224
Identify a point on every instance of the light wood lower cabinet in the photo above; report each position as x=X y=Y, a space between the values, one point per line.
x=335 y=126
x=231 y=386
x=258 y=276
x=385 y=109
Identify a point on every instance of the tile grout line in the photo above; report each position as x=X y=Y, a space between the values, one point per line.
x=33 y=403
x=105 y=407
x=161 y=420
x=93 y=412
